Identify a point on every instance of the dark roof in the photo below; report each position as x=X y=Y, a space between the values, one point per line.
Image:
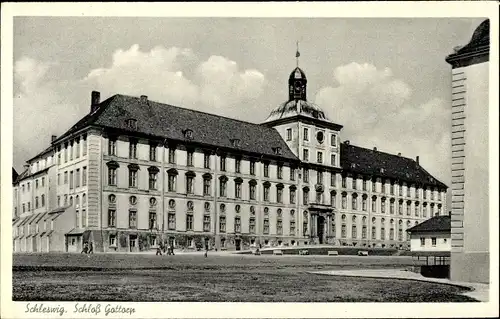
x=297 y=73
x=436 y=223
x=476 y=51
x=171 y=122
x=22 y=176
x=363 y=161
x=14 y=174
x=45 y=151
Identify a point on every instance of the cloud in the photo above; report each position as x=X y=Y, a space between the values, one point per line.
x=43 y=107
x=376 y=110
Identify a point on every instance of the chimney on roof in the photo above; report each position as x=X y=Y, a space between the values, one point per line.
x=375 y=149
x=144 y=99
x=417 y=160
x=53 y=138
x=347 y=142
x=95 y=99
x=399 y=154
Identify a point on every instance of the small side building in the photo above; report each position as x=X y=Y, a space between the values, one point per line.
x=430 y=246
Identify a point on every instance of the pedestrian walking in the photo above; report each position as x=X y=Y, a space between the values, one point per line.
x=91 y=248
x=158 y=251
x=85 y=248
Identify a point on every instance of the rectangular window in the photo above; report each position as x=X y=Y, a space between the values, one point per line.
x=172 y=183
x=279 y=172
x=333 y=160
x=223 y=163
x=84 y=217
x=112 y=147
x=65 y=153
x=237 y=190
x=288 y=134
x=400 y=235
x=354 y=203
x=237 y=224
x=71 y=180
x=59 y=159
x=319 y=177
x=132 y=149
x=222 y=224
x=111 y=176
x=333 y=140
x=189 y=222
x=252 y=168
x=400 y=208
x=344 y=182
x=374 y=204
x=77 y=178
x=305 y=156
x=132 y=178
x=266 y=169
x=363 y=232
x=374 y=186
x=306 y=134
x=252 y=192
x=279 y=227
x=265 y=229
x=189 y=158
x=152 y=152
x=58 y=179
x=333 y=200
x=36 y=202
x=400 y=190
x=364 y=185
x=206 y=223
x=153 y=177
x=36 y=184
x=320 y=157
x=408 y=209
x=306 y=175
x=43 y=181
x=333 y=180
x=222 y=188
x=382 y=203
x=189 y=184
x=206 y=187
x=206 y=160
x=292 y=228
x=171 y=155
x=305 y=197
x=279 y=195
x=251 y=225
x=171 y=221
x=132 y=219
x=363 y=204
x=343 y=231
x=392 y=189
x=42 y=198
x=422 y=241
x=77 y=149
x=237 y=165
x=266 y=193
x=382 y=233
x=84 y=146
x=84 y=176
x=111 y=218
x=70 y=150
x=391 y=234
x=433 y=241
x=292 y=173
x=374 y=232
x=408 y=192
x=292 y=196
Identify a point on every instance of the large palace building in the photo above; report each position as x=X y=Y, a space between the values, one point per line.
x=134 y=174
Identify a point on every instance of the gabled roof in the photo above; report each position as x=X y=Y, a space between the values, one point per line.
x=363 y=161
x=14 y=174
x=436 y=223
x=22 y=176
x=171 y=122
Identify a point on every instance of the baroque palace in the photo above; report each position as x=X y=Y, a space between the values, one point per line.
x=134 y=174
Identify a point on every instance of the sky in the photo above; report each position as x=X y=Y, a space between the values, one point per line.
x=384 y=80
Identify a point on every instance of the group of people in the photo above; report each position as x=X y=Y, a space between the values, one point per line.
x=168 y=250
x=88 y=248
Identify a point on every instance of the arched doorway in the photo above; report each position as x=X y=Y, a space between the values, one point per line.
x=321 y=229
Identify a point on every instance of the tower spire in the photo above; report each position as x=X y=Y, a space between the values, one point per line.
x=297 y=54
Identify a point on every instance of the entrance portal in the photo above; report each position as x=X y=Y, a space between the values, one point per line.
x=321 y=228
x=238 y=244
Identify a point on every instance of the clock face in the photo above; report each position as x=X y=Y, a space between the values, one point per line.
x=320 y=137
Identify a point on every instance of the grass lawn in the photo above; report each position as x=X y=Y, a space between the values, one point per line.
x=69 y=277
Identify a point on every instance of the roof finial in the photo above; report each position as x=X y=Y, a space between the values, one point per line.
x=297 y=54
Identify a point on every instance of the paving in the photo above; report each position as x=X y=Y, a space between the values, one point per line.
x=478 y=291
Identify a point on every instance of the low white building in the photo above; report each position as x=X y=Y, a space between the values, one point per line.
x=433 y=235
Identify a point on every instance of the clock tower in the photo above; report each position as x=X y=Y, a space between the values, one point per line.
x=297 y=85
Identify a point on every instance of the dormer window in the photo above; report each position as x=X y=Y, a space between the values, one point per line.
x=188 y=133
x=131 y=124
x=277 y=150
x=235 y=142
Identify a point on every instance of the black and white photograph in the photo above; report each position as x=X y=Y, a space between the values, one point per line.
x=261 y=160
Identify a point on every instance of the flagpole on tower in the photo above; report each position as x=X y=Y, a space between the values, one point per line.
x=297 y=54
